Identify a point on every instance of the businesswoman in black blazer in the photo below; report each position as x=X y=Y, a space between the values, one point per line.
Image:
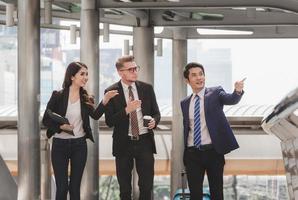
x=69 y=140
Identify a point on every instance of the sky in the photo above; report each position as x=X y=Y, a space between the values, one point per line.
x=270 y=66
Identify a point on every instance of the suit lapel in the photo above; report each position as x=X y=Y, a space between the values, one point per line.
x=65 y=95
x=140 y=94
x=187 y=103
x=206 y=100
x=83 y=113
x=121 y=94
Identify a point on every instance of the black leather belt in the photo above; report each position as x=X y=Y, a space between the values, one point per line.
x=203 y=147
x=139 y=137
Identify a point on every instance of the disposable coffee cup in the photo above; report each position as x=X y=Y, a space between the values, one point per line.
x=146 y=120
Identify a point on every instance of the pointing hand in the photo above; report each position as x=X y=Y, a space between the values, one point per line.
x=239 y=85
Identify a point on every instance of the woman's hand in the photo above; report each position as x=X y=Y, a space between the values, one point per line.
x=108 y=95
x=67 y=127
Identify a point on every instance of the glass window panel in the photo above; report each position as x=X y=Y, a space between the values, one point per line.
x=265 y=63
x=163 y=75
x=109 y=53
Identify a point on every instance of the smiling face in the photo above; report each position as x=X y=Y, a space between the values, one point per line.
x=129 y=72
x=80 y=78
x=196 y=79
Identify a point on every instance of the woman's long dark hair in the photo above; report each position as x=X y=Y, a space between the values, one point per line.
x=72 y=69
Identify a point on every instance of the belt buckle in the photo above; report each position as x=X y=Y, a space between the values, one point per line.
x=205 y=147
x=134 y=138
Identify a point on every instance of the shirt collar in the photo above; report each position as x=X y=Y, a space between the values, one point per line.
x=200 y=94
x=125 y=86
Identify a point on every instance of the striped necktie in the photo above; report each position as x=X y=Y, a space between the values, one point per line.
x=133 y=116
x=197 y=122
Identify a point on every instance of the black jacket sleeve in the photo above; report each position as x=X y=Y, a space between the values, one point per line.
x=155 y=113
x=53 y=127
x=112 y=116
x=97 y=112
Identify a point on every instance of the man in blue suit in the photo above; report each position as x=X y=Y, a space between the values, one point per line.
x=207 y=134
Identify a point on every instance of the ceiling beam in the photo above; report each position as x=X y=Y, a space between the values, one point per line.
x=289 y=5
x=62 y=5
x=231 y=18
x=69 y=1
x=268 y=32
x=123 y=20
x=9 y=1
x=63 y=15
x=141 y=16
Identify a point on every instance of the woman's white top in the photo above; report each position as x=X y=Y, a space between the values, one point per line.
x=73 y=114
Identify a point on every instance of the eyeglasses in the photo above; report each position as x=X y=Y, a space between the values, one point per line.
x=132 y=69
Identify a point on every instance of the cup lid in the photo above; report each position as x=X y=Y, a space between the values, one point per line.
x=147 y=117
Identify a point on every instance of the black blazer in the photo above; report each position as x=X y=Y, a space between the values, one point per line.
x=116 y=116
x=58 y=104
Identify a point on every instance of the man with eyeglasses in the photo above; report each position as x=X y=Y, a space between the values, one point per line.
x=133 y=140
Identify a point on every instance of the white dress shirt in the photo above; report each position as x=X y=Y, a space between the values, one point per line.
x=142 y=129
x=205 y=135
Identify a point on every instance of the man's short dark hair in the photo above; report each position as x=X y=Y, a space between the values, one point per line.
x=192 y=65
x=124 y=59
